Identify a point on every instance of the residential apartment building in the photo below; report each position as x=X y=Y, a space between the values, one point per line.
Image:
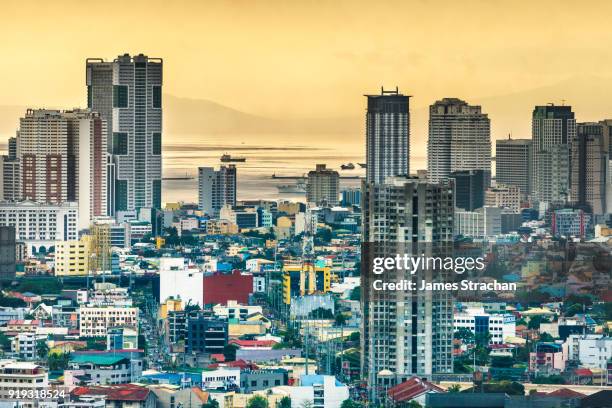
x=62 y=158
x=553 y=129
x=323 y=186
x=127 y=92
x=590 y=180
x=387 y=135
x=404 y=332
x=95 y=320
x=72 y=257
x=216 y=188
x=459 y=139
x=22 y=377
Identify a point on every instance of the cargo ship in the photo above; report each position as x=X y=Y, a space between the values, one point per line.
x=226 y=158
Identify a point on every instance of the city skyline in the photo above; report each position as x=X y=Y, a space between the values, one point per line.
x=281 y=78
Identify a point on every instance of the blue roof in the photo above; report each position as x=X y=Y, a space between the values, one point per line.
x=313 y=379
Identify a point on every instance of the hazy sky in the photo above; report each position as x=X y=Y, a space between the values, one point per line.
x=306 y=58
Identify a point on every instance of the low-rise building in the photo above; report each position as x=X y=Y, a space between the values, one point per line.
x=22 y=377
x=94 y=321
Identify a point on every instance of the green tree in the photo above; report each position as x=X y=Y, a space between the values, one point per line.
x=285 y=402
x=349 y=403
x=229 y=352
x=454 y=388
x=355 y=294
x=257 y=402
x=465 y=335
x=414 y=404
x=211 y=403
x=58 y=361
x=5 y=342
x=42 y=349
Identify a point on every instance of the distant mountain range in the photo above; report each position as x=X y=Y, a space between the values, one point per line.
x=188 y=118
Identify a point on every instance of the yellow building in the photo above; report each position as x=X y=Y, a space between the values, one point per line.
x=290 y=207
x=72 y=257
x=221 y=227
x=301 y=279
x=284 y=227
x=170 y=305
x=100 y=249
x=173 y=206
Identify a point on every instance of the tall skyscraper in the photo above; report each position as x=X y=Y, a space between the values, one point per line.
x=62 y=158
x=9 y=174
x=216 y=188
x=513 y=163
x=387 y=136
x=127 y=92
x=590 y=178
x=469 y=188
x=459 y=139
x=406 y=333
x=323 y=186
x=553 y=129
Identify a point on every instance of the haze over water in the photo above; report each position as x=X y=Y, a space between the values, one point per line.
x=265 y=156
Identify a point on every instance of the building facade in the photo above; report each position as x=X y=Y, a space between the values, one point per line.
x=504 y=196
x=216 y=188
x=127 y=92
x=459 y=139
x=469 y=188
x=590 y=168
x=39 y=226
x=387 y=135
x=553 y=129
x=513 y=163
x=403 y=332
x=323 y=186
x=62 y=158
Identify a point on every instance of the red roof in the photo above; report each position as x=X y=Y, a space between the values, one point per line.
x=583 y=372
x=565 y=393
x=218 y=357
x=412 y=388
x=253 y=343
x=119 y=392
x=236 y=364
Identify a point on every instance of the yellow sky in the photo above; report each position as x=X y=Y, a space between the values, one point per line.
x=306 y=58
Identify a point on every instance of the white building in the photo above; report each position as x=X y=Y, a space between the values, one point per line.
x=481 y=224
x=178 y=281
x=322 y=391
x=592 y=350
x=499 y=326
x=20 y=377
x=24 y=345
x=216 y=188
x=94 y=321
x=235 y=310
x=40 y=225
x=221 y=378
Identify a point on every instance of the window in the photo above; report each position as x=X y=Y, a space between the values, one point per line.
x=120 y=96
x=157 y=96
x=120 y=143
x=156 y=143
